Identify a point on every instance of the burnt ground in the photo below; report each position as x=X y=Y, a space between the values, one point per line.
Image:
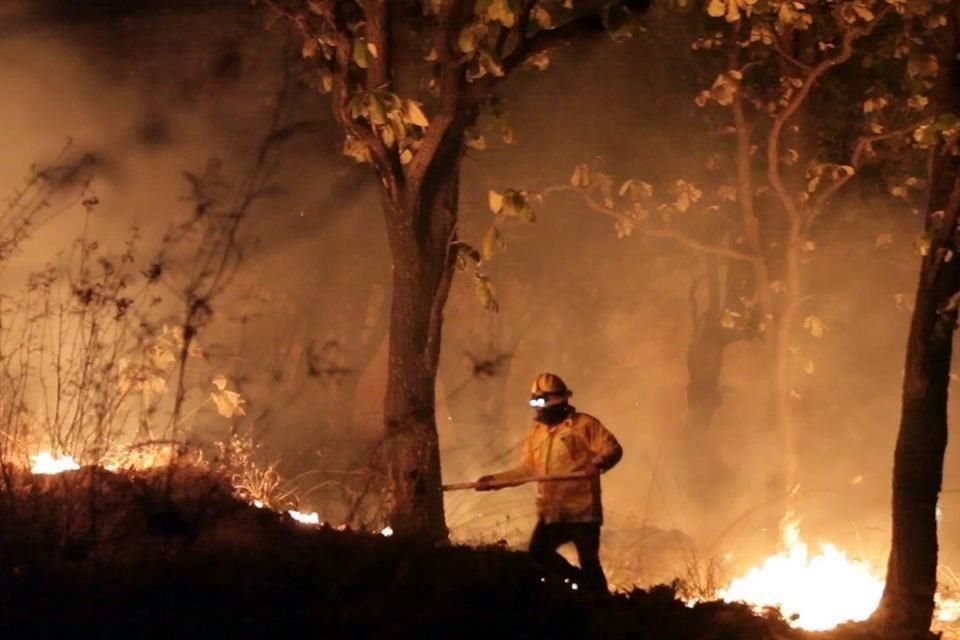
x=91 y=554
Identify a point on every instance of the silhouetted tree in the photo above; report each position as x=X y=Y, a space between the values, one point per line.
x=907 y=604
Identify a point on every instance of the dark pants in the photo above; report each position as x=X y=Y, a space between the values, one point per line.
x=585 y=536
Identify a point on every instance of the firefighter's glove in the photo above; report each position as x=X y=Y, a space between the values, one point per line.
x=485 y=483
x=591 y=469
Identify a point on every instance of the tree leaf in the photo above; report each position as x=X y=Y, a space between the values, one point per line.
x=542 y=17
x=491 y=63
x=375 y=109
x=515 y=203
x=727 y=192
x=581 y=176
x=814 y=325
x=864 y=13
x=495 y=201
x=918 y=102
x=399 y=126
x=228 y=403
x=623 y=227
x=922 y=65
x=360 y=53
x=358 y=106
x=492 y=241
x=526 y=212
x=388 y=135
x=415 y=114
x=501 y=11
x=356 y=149
x=467 y=42
x=467 y=251
x=540 y=61
x=729 y=319
x=484 y=290
x=326 y=80
x=309 y=48
x=477 y=142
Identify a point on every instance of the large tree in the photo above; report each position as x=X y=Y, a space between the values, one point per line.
x=408 y=81
x=908 y=598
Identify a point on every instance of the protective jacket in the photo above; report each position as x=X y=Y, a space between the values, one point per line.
x=563 y=448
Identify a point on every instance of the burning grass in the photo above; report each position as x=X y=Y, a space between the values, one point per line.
x=173 y=551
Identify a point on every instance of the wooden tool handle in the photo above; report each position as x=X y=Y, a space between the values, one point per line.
x=499 y=484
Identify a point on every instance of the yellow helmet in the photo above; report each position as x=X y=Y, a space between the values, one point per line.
x=548 y=389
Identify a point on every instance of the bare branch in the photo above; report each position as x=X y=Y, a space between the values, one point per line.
x=856 y=160
x=781 y=50
x=523 y=25
x=850 y=35
x=542 y=41
x=384 y=159
x=671 y=234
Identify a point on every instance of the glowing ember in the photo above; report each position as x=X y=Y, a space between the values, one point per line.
x=386 y=532
x=305 y=518
x=820 y=591
x=45 y=463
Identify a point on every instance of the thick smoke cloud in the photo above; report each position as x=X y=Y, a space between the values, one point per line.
x=152 y=89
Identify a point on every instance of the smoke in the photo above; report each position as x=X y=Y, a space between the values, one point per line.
x=149 y=90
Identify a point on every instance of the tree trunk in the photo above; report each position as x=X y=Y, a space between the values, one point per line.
x=422 y=232
x=783 y=386
x=907 y=605
x=705 y=354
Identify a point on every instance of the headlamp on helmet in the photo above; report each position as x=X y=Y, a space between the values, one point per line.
x=548 y=389
x=538 y=402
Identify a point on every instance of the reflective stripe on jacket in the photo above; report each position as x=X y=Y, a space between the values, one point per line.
x=566 y=448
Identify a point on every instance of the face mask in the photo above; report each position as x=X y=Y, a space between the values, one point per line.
x=554 y=414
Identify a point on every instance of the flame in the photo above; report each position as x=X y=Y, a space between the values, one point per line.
x=140 y=457
x=45 y=463
x=814 y=593
x=306 y=518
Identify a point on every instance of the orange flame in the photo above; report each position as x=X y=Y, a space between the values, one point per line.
x=45 y=463
x=814 y=593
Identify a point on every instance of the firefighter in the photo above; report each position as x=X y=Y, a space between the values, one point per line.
x=562 y=441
